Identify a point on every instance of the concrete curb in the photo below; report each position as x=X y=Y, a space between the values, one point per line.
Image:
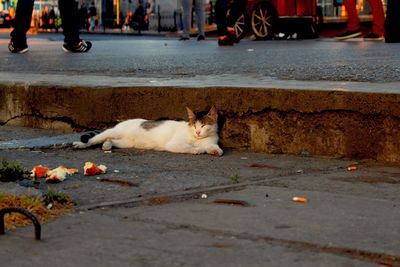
x=345 y=119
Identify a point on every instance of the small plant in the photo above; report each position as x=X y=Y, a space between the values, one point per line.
x=235 y=179
x=53 y=196
x=29 y=201
x=2 y=197
x=12 y=173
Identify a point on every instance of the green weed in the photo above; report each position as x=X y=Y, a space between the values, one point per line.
x=12 y=173
x=31 y=201
x=235 y=179
x=53 y=196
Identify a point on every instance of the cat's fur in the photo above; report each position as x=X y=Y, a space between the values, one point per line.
x=198 y=135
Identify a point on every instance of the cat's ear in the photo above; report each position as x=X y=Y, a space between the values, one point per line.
x=191 y=115
x=213 y=113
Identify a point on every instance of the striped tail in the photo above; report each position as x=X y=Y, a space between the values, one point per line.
x=85 y=137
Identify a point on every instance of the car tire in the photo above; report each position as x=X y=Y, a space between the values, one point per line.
x=240 y=24
x=263 y=19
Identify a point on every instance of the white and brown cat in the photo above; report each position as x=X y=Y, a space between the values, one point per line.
x=198 y=135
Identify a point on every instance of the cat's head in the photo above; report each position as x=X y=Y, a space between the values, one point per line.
x=203 y=124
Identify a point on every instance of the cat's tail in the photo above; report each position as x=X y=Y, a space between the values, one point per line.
x=85 y=137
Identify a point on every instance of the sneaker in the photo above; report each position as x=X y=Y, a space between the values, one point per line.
x=17 y=49
x=373 y=37
x=225 y=41
x=81 y=47
x=184 y=39
x=348 y=35
x=200 y=38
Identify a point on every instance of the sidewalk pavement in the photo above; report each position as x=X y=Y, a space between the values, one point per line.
x=170 y=218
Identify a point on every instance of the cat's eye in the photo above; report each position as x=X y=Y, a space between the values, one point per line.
x=202 y=126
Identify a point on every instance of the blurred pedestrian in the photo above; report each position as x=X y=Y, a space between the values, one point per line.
x=92 y=16
x=150 y=7
x=353 y=22
x=392 y=22
x=52 y=18
x=11 y=12
x=70 y=25
x=226 y=24
x=138 y=17
x=83 y=17
x=187 y=6
x=45 y=18
x=128 y=21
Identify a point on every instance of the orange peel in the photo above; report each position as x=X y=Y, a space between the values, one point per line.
x=300 y=199
x=39 y=171
x=91 y=169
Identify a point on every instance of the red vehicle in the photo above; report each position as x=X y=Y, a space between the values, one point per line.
x=266 y=18
x=5 y=20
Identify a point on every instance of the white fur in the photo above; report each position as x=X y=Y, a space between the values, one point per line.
x=172 y=136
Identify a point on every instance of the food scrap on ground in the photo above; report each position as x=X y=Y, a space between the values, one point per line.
x=39 y=171
x=59 y=174
x=52 y=176
x=300 y=199
x=91 y=169
x=352 y=168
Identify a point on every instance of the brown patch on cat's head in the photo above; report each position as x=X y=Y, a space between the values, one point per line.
x=205 y=118
x=148 y=125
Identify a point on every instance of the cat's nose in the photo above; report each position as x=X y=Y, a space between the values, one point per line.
x=198 y=132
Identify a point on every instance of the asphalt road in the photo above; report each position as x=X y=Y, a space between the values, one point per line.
x=143 y=56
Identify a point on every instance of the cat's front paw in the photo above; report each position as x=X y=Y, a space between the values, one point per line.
x=78 y=145
x=215 y=151
x=197 y=151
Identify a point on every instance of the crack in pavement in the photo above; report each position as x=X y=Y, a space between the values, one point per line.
x=370 y=256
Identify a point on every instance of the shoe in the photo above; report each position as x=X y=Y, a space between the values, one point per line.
x=373 y=37
x=200 y=38
x=17 y=49
x=81 y=47
x=225 y=41
x=184 y=39
x=348 y=35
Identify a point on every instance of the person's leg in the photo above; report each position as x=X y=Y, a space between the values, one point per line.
x=236 y=8
x=353 y=22
x=392 y=22
x=378 y=17
x=22 y=22
x=200 y=17
x=221 y=8
x=187 y=17
x=70 y=24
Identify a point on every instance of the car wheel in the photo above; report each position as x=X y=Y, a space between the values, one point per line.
x=240 y=25
x=263 y=19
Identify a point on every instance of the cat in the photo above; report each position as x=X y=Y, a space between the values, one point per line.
x=198 y=135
